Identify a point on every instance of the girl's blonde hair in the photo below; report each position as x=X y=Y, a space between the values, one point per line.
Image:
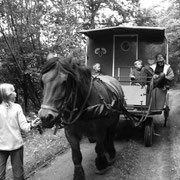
x=5 y=90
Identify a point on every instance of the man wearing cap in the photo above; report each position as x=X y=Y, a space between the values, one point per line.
x=163 y=73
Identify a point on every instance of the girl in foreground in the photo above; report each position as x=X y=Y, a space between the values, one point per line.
x=12 y=121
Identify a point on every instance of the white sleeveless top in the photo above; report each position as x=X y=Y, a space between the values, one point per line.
x=165 y=70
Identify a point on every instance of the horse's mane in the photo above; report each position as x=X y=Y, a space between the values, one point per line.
x=49 y=65
x=81 y=74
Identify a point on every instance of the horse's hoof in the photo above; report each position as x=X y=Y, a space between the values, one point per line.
x=111 y=161
x=102 y=171
x=92 y=139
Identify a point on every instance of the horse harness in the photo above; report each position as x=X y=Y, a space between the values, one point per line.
x=96 y=111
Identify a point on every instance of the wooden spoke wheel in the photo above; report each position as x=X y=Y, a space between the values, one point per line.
x=166 y=115
x=166 y=110
x=148 y=132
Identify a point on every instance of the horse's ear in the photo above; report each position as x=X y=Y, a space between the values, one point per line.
x=50 y=56
x=73 y=59
x=69 y=59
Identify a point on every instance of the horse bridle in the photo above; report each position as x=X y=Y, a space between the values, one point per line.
x=49 y=107
x=67 y=99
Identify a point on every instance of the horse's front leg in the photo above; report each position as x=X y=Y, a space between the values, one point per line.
x=74 y=141
x=101 y=160
x=109 y=142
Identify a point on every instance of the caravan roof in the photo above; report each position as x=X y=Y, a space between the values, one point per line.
x=141 y=30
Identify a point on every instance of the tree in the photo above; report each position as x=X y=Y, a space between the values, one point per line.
x=29 y=29
x=105 y=13
x=20 y=47
x=170 y=19
x=146 y=17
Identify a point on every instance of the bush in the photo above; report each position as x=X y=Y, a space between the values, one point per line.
x=40 y=149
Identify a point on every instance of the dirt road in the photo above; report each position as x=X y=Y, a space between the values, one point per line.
x=134 y=160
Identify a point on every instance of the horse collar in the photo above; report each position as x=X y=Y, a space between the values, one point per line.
x=74 y=110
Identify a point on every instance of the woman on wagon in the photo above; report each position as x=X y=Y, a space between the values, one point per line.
x=163 y=73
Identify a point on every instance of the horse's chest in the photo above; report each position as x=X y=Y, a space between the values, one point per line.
x=91 y=127
x=83 y=128
x=88 y=128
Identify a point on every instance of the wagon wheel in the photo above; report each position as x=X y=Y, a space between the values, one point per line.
x=166 y=115
x=166 y=110
x=148 y=132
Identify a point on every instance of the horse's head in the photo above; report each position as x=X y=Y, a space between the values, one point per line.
x=54 y=80
x=60 y=81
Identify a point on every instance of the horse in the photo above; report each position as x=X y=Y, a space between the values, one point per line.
x=86 y=106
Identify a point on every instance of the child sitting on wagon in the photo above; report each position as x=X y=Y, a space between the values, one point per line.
x=138 y=74
x=96 y=70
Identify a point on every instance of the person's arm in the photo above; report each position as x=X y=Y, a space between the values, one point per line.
x=170 y=74
x=148 y=70
x=24 y=125
x=131 y=75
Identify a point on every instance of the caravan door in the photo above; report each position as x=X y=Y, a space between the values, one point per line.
x=125 y=53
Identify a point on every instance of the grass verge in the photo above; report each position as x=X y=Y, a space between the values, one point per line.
x=39 y=150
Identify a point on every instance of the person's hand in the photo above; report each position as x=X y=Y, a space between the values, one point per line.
x=162 y=74
x=35 y=122
x=132 y=77
x=138 y=84
x=155 y=76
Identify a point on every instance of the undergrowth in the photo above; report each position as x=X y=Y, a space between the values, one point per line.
x=38 y=149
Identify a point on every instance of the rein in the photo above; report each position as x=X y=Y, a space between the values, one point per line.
x=60 y=121
x=49 y=107
x=68 y=122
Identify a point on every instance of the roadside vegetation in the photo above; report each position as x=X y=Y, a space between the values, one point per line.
x=40 y=149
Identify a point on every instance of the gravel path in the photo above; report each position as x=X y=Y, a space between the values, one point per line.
x=134 y=160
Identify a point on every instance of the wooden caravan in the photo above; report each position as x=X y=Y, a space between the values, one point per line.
x=116 y=49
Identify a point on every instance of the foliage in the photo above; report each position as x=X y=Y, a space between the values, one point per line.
x=29 y=29
x=40 y=149
x=20 y=49
x=106 y=13
x=146 y=17
x=170 y=19
x=167 y=15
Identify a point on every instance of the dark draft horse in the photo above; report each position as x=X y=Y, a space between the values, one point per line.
x=85 y=106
